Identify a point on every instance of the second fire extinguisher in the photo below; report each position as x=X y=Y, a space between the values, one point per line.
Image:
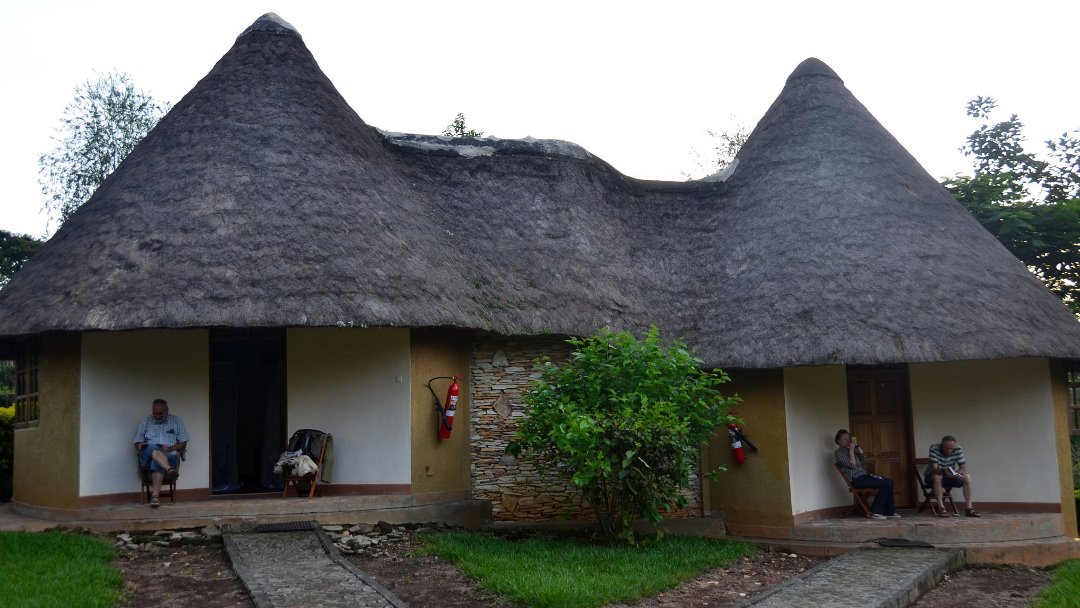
x=737 y=442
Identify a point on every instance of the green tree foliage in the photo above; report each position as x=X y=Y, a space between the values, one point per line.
x=15 y=250
x=458 y=128
x=626 y=419
x=98 y=129
x=7 y=451
x=725 y=145
x=1031 y=204
x=7 y=382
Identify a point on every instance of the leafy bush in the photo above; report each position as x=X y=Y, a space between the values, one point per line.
x=1076 y=460
x=7 y=451
x=626 y=419
x=7 y=381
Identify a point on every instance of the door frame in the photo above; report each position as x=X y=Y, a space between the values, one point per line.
x=903 y=484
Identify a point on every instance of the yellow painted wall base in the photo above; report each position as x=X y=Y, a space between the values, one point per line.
x=47 y=455
x=757 y=492
x=439 y=466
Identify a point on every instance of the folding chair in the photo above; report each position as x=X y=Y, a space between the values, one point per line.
x=861 y=495
x=928 y=490
x=312 y=443
x=168 y=486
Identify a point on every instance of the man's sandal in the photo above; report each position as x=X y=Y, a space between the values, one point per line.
x=972 y=513
x=171 y=475
x=154 y=502
x=942 y=512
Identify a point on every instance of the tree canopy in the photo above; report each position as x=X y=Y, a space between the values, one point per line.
x=458 y=128
x=1031 y=203
x=104 y=121
x=15 y=250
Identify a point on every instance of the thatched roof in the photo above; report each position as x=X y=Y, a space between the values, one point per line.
x=263 y=200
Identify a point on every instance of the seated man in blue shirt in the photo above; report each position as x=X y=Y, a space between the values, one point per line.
x=159 y=441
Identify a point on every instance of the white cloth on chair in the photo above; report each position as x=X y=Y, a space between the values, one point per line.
x=299 y=463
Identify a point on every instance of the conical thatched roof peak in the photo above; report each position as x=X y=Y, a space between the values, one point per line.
x=270 y=23
x=813 y=66
x=263 y=200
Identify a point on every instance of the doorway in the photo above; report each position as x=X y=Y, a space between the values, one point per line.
x=247 y=409
x=879 y=414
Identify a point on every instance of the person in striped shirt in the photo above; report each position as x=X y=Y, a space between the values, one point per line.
x=948 y=470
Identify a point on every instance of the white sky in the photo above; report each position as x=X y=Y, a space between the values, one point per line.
x=635 y=83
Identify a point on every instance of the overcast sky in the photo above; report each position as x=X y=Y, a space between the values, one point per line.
x=636 y=84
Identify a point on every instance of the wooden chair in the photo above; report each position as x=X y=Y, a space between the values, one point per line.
x=312 y=443
x=928 y=490
x=168 y=486
x=862 y=496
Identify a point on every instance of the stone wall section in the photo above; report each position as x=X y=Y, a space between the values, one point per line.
x=520 y=490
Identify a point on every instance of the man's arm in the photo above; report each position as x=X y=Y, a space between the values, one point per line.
x=140 y=435
x=181 y=431
x=935 y=459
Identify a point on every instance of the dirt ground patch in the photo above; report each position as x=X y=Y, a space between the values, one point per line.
x=987 y=588
x=197 y=575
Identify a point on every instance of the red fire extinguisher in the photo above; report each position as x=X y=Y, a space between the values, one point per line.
x=738 y=439
x=736 y=443
x=448 y=409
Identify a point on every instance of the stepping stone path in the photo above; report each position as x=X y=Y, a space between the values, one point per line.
x=865 y=578
x=297 y=565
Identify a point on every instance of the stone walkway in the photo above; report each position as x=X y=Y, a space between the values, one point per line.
x=866 y=578
x=301 y=568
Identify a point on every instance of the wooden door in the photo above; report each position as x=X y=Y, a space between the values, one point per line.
x=879 y=413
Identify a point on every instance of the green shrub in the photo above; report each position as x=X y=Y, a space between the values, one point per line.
x=7 y=451
x=626 y=419
x=1075 y=439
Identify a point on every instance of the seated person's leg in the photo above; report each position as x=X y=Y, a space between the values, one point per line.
x=147 y=460
x=174 y=463
x=869 y=481
x=883 y=500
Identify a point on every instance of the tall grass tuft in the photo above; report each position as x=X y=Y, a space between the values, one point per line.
x=567 y=573
x=47 y=569
x=1064 y=589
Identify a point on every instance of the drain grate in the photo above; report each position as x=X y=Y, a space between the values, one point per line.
x=288 y=526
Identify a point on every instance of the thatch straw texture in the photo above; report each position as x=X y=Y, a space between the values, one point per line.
x=263 y=200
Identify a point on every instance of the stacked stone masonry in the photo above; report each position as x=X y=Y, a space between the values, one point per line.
x=521 y=490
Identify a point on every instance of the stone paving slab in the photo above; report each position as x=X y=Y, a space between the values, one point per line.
x=299 y=570
x=865 y=578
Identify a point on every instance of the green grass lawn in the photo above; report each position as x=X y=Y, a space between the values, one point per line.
x=1064 y=589
x=47 y=569
x=567 y=573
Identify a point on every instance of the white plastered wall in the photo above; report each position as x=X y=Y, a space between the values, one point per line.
x=354 y=384
x=816 y=407
x=1001 y=412
x=122 y=373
